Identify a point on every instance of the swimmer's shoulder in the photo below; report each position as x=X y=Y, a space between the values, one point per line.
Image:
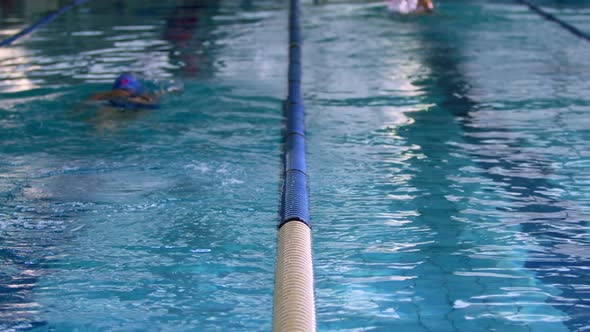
x=108 y=95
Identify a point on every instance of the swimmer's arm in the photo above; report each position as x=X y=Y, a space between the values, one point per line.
x=146 y=99
x=109 y=95
x=101 y=96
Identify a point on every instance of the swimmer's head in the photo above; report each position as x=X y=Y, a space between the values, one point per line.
x=127 y=81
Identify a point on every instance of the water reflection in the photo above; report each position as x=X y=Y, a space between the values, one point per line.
x=519 y=175
x=140 y=214
x=418 y=229
x=14 y=16
x=132 y=43
x=56 y=174
x=181 y=30
x=12 y=80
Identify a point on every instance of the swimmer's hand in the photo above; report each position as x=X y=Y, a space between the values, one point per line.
x=424 y=6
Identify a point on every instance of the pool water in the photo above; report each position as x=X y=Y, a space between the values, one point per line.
x=448 y=163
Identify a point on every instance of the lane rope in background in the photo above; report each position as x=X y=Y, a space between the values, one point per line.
x=47 y=19
x=550 y=17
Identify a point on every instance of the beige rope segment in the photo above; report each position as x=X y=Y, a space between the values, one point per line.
x=294 y=307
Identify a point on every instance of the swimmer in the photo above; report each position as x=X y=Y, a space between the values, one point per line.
x=128 y=93
x=410 y=6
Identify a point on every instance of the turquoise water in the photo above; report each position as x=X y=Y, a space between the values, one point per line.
x=572 y=12
x=447 y=156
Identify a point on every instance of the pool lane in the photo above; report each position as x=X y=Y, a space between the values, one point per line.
x=528 y=129
x=525 y=174
x=428 y=238
x=142 y=221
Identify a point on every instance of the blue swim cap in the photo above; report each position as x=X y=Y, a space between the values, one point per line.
x=127 y=81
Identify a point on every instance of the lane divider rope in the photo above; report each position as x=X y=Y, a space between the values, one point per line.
x=294 y=305
x=550 y=17
x=47 y=19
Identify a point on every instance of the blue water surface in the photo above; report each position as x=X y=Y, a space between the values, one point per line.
x=160 y=220
x=448 y=160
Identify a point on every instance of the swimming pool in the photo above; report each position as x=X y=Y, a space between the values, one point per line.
x=447 y=157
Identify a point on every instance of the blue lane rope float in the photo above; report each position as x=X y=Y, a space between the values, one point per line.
x=294 y=306
x=549 y=17
x=41 y=22
x=295 y=194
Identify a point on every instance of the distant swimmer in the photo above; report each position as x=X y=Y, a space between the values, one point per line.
x=410 y=6
x=129 y=93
